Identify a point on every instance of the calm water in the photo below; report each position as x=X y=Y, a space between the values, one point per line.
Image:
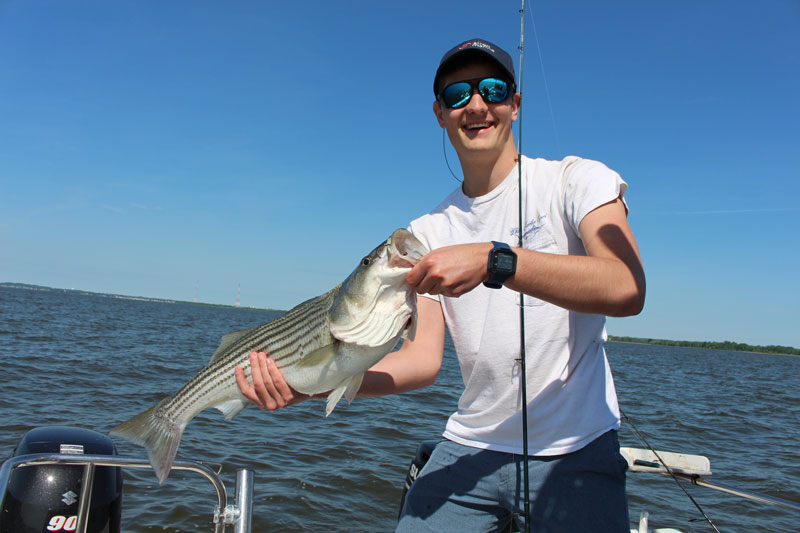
x=94 y=361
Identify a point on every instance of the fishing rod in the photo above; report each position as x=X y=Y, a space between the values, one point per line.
x=521 y=302
x=668 y=469
x=694 y=479
x=523 y=370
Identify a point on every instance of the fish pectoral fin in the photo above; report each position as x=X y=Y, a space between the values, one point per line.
x=319 y=357
x=231 y=408
x=347 y=388
x=410 y=332
x=227 y=341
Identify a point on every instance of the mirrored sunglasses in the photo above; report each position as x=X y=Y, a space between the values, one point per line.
x=492 y=90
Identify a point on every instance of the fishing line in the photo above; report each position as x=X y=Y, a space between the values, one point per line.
x=546 y=85
x=523 y=370
x=668 y=469
x=522 y=343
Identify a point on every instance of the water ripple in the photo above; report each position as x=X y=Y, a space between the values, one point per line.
x=91 y=361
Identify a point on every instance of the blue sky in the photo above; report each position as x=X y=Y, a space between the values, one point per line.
x=181 y=149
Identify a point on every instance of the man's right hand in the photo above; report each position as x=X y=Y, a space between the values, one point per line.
x=269 y=390
x=451 y=270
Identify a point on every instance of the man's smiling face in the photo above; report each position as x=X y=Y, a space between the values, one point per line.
x=478 y=127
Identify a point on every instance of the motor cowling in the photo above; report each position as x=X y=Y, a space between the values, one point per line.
x=43 y=498
x=424 y=452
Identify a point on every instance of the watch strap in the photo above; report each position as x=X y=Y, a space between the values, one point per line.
x=498 y=277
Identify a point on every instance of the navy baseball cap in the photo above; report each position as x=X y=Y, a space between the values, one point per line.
x=490 y=50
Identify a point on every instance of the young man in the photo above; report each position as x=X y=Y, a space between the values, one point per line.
x=579 y=262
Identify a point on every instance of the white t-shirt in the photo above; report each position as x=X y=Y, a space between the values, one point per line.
x=571 y=395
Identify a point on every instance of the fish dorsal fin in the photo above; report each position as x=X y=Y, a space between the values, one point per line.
x=227 y=341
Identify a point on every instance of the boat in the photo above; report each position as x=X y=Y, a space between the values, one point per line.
x=69 y=479
x=693 y=469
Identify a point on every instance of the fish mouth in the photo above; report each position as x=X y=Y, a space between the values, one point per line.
x=404 y=249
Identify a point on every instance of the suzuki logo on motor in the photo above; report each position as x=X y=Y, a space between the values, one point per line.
x=69 y=498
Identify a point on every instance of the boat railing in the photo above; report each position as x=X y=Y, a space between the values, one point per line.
x=694 y=469
x=238 y=514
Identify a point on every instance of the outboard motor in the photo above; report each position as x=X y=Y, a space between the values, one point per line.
x=424 y=452
x=44 y=498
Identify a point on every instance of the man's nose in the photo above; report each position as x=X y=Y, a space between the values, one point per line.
x=476 y=103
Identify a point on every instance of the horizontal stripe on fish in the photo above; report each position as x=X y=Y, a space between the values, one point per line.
x=369 y=311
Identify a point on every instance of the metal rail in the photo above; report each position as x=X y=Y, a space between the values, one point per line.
x=238 y=515
x=743 y=493
x=692 y=468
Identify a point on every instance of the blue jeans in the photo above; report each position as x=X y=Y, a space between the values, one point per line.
x=463 y=489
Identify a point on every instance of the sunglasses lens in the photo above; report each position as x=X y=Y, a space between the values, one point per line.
x=493 y=90
x=457 y=94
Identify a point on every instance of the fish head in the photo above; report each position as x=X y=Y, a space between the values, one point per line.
x=375 y=304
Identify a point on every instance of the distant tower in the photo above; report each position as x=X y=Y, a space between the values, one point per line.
x=196 y=291
x=238 y=294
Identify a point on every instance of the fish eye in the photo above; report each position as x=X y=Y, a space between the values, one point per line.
x=366 y=261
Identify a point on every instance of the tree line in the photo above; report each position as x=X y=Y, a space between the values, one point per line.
x=724 y=345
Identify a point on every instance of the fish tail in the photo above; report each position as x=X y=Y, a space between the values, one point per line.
x=157 y=433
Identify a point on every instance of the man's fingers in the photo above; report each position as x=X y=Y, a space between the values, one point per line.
x=268 y=389
x=246 y=388
x=415 y=275
x=281 y=386
x=262 y=383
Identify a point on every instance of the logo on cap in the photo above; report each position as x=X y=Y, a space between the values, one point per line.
x=476 y=44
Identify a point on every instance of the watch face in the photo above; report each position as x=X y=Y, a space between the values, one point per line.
x=504 y=263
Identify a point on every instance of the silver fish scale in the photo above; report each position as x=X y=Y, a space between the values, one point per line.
x=291 y=341
x=287 y=339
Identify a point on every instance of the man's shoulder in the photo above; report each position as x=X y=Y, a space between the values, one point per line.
x=430 y=226
x=568 y=173
x=568 y=165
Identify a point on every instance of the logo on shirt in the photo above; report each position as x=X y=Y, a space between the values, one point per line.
x=531 y=228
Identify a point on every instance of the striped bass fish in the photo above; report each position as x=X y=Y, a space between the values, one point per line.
x=324 y=344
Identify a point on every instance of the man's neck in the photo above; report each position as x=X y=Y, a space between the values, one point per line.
x=483 y=174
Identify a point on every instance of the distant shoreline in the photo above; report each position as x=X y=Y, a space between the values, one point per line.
x=725 y=345
x=710 y=345
x=30 y=287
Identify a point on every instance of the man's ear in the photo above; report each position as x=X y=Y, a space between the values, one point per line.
x=516 y=102
x=437 y=110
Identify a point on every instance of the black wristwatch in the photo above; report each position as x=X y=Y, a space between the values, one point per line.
x=502 y=265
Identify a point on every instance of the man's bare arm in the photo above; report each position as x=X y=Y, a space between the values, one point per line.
x=609 y=280
x=415 y=365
